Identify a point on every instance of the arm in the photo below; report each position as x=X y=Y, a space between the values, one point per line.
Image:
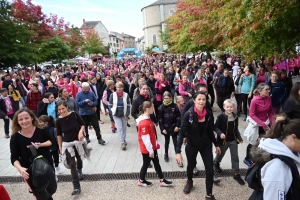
x=94 y=99
x=134 y=110
x=41 y=108
x=104 y=99
x=59 y=141
x=252 y=111
x=161 y=117
x=238 y=134
x=178 y=116
x=111 y=102
x=217 y=125
x=181 y=90
x=210 y=132
x=183 y=130
x=128 y=107
x=147 y=142
x=79 y=102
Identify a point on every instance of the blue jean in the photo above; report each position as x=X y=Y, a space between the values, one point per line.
x=23 y=100
x=6 y=123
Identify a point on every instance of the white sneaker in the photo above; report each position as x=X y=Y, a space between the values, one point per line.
x=58 y=170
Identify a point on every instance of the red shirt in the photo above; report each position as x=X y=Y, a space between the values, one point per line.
x=145 y=127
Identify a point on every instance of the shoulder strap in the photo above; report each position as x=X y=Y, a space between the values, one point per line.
x=33 y=150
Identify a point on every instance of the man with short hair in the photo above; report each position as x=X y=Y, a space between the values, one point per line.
x=87 y=102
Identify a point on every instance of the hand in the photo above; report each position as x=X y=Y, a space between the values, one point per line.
x=90 y=103
x=60 y=150
x=222 y=136
x=189 y=95
x=232 y=94
x=6 y=117
x=125 y=117
x=218 y=150
x=179 y=158
x=163 y=85
x=249 y=96
x=87 y=100
x=80 y=136
x=176 y=129
x=151 y=155
x=266 y=128
x=46 y=100
x=23 y=172
x=164 y=132
x=36 y=145
x=241 y=142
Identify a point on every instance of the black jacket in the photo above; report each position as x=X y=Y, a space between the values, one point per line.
x=192 y=130
x=99 y=91
x=227 y=89
x=291 y=109
x=170 y=77
x=221 y=126
x=100 y=85
x=136 y=103
x=288 y=85
x=168 y=118
x=42 y=108
x=3 y=112
x=151 y=85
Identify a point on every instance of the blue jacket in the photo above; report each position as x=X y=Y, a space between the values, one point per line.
x=278 y=93
x=84 y=108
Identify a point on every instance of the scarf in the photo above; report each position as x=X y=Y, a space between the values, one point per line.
x=119 y=94
x=51 y=110
x=202 y=81
x=190 y=72
x=145 y=96
x=282 y=78
x=200 y=115
x=8 y=103
x=167 y=104
x=261 y=74
x=246 y=74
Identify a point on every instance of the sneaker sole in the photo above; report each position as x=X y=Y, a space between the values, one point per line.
x=165 y=185
x=144 y=185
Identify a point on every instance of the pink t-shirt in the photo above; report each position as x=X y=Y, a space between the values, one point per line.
x=67 y=87
x=9 y=109
x=260 y=79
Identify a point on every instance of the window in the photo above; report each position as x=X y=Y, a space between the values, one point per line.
x=154 y=39
x=171 y=12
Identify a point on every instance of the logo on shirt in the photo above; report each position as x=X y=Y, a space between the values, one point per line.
x=280 y=195
x=144 y=130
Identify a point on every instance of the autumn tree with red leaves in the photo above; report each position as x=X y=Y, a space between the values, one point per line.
x=251 y=28
x=92 y=43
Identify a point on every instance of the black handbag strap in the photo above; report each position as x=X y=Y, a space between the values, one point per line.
x=33 y=150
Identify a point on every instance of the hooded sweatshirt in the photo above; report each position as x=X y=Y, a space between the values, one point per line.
x=146 y=134
x=276 y=176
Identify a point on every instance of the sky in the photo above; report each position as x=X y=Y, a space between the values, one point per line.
x=116 y=15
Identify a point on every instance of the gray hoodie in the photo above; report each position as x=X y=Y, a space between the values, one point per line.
x=276 y=176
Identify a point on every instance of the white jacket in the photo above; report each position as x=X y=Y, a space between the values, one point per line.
x=276 y=176
x=251 y=132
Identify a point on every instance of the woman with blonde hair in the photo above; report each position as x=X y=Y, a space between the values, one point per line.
x=26 y=131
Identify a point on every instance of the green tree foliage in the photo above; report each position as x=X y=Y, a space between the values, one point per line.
x=92 y=43
x=252 y=28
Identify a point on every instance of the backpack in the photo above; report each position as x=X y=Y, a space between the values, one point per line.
x=41 y=171
x=253 y=178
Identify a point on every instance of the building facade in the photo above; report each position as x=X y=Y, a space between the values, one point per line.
x=154 y=17
x=140 y=44
x=101 y=30
x=129 y=41
x=116 y=42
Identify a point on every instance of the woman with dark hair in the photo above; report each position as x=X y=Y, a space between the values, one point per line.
x=198 y=126
x=64 y=96
x=277 y=178
x=191 y=74
x=71 y=142
x=52 y=89
x=161 y=86
x=277 y=93
x=261 y=114
x=262 y=74
x=47 y=106
x=292 y=105
x=186 y=89
x=169 y=119
x=16 y=96
x=247 y=82
x=27 y=131
x=75 y=85
x=156 y=73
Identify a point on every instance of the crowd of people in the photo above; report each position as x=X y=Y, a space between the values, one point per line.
x=173 y=93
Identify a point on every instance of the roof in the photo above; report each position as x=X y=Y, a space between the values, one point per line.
x=121 y=34
x=162 y=2
x=92 y=24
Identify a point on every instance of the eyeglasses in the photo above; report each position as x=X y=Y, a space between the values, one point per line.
x=267 y=89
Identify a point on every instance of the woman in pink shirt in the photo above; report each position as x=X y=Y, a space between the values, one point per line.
x=262 y=74
x=186 y=89
x=60 y=80
x=156 y=73
x=67 y=86
x=261 y=112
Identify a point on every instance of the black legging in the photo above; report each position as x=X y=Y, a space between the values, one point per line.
x=211 y=93
x=72 y=163
x=207 y=157
x=167 y=142
x=245 y=98
x=55 y=157
x=221 y=99
x=146 y=163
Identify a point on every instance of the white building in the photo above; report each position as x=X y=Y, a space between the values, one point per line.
x=101 y=30
x=154 y=17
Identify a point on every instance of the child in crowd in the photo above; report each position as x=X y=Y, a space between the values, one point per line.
x=48 y=122
x=180 y=103
x=228 y=136
x=148 y=145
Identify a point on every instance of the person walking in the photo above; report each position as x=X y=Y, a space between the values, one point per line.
x=27 y=131
x=7 y=109
x=71 y=142
x=86 y=101
x=197 y=124
x=148 y=145
x=34 y=96
x=119 y=104
x=64 y=96
x=169 y=119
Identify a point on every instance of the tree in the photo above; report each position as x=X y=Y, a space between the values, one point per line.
x=15 y=38
x=75 y=40
x=92 y=43
x=251 y=28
